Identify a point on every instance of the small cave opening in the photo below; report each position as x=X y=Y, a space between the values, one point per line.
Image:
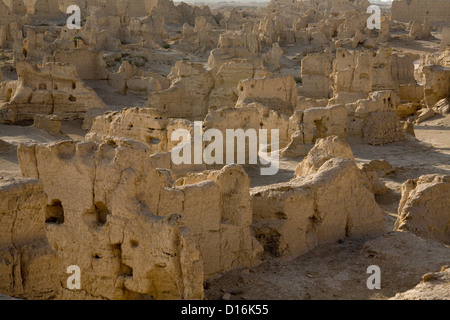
x=134 y=244
x=54 y=212
x=102 y=212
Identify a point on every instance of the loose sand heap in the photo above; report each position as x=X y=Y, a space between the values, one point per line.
x=88 y=179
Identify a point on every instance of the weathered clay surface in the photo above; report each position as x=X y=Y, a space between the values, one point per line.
x=423 y=207
x=294 y=217
x=25 y=252
x=88 y=169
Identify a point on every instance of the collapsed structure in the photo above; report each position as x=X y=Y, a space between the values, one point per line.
x=139 y=226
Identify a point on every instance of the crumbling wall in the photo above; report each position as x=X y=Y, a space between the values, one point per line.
x=323 y=122
x=10 y=26
x=145 y=125
x=100 y=222
x=54 y=89
x=327 y=204
x=225 y=92
x=199 y=38
x=423 y=208
x=419 y=31
x=437 y=84
x=408 y=10
x=315 y=73
x=250 y=116
x=352 y=73
x=88 y=63
x=445 y=42
x=187 y=96
x=277 y=93
x=28 y=264
x=356 y=73
x=121 y=202
x=375 y=119
x=44 y=9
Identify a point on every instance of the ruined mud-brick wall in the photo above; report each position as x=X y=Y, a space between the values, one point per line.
x=44 y=9
x=436 y=84
x=10 y=26
x=315 y=72
x=187 y=96
x=16 y=6
x=88 y=63
x=424 y=207
x=128 y=214
x=356 y=73
x=146 y=125
x=152 y=128
x=326 y=201
x=97 y=218
x=445 y=38
x=409 y=10
x=375 y=119
x=225 y=92
x=54 y=89
x=6 y=16
x=28 y=264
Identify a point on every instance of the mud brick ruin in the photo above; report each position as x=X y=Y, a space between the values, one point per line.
x=88 y=118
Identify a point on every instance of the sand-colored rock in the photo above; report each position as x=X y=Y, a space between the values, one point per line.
x=324 y=150
x=434 y=286
x=423 y=207
x=6 y=147
x=408 y=10
x=226 y=80
x=87 y=117
x=52 y=90
x=419 y=31
x=50 y=124
x=375 y=119
x=25 y=253
x=316 y=71
x=324 y=122
x=336 y=147
x=108 y=197
x=445 y=42
x=442 y=107
x=187 y=96
x=148 y=126
x=437 y=83
x=352 y=72
x=294 y=217
x=136 y=252
x=277 y=93
x=371 y=173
